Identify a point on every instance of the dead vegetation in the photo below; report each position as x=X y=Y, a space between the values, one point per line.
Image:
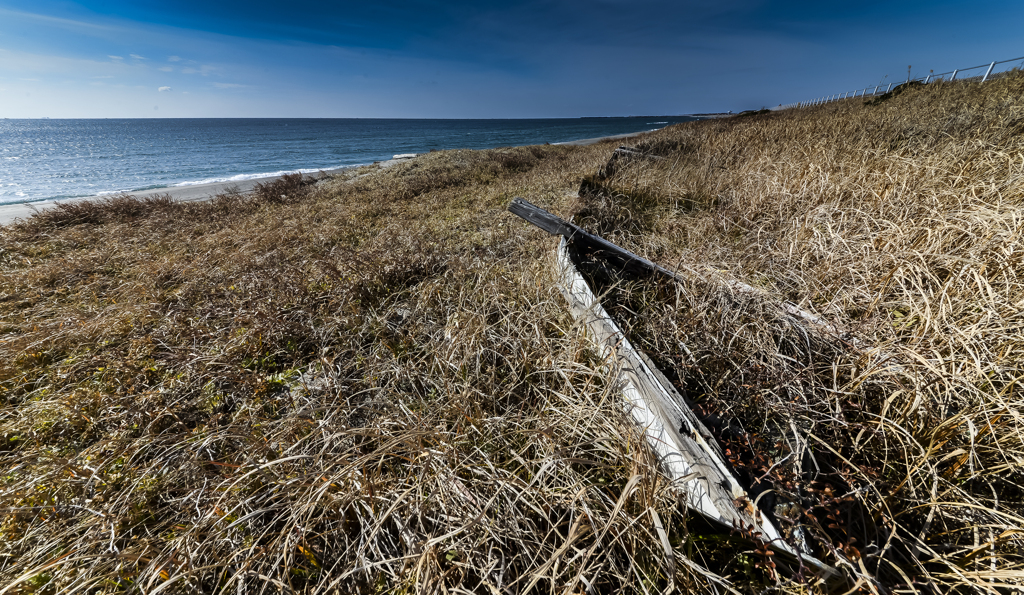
x=354 y=387
x=372 y=384
x=888 y=435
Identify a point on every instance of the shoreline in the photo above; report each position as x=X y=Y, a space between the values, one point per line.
x=196 y=192
x=9 y=213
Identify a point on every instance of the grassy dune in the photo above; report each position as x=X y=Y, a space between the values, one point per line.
x=892 y=432
x=371 y=384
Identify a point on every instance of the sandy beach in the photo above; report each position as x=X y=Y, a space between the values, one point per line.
x=11 y=212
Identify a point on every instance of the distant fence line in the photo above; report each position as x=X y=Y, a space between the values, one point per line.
x=991 y=73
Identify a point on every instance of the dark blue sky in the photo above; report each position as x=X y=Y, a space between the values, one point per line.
x=559 y=58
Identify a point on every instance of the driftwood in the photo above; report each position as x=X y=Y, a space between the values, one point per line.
x=686 y=455
x=631 y=264
x=688 y=452
x=623 y=260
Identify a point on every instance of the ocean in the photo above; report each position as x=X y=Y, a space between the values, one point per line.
x=53 y=159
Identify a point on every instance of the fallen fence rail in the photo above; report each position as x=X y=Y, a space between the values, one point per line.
x=688 y=452
x=629 y=263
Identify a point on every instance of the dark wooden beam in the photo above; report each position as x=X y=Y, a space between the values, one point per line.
x=552 y=224
x=624 y=261
x=586 y=243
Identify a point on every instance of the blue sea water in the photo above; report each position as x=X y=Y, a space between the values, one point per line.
x=50 y=159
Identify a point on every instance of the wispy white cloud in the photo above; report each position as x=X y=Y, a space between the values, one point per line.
x=46 y=66
x=164 y=89
x=51 y=20
x=231 y=67
x=202 y=69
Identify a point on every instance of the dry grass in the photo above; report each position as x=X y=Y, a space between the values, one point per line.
x=892 y=434
x=359 y=386
x=372 y=385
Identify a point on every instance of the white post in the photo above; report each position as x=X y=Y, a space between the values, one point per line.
x=953 y=76
x=927 y=78
x=889 y=88
x=875 y=92
x=988 y=72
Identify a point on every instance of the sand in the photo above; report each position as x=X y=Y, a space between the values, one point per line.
x=8 y=213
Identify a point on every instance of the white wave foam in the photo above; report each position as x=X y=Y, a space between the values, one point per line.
x=20 y=197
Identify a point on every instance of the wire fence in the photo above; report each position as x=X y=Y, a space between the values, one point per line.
x=983 y=73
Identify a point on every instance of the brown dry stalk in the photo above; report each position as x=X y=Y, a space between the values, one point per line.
x=895 y=446
x=371 y=384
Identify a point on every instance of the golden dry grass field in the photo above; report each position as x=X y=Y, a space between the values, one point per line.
x=372 y=384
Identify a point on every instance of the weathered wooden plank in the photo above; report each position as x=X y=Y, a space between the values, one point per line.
x=709 y=486
x=626 y=261
x=685 y=447
x=585 y=242
x=689 y=453
x=553 y=224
